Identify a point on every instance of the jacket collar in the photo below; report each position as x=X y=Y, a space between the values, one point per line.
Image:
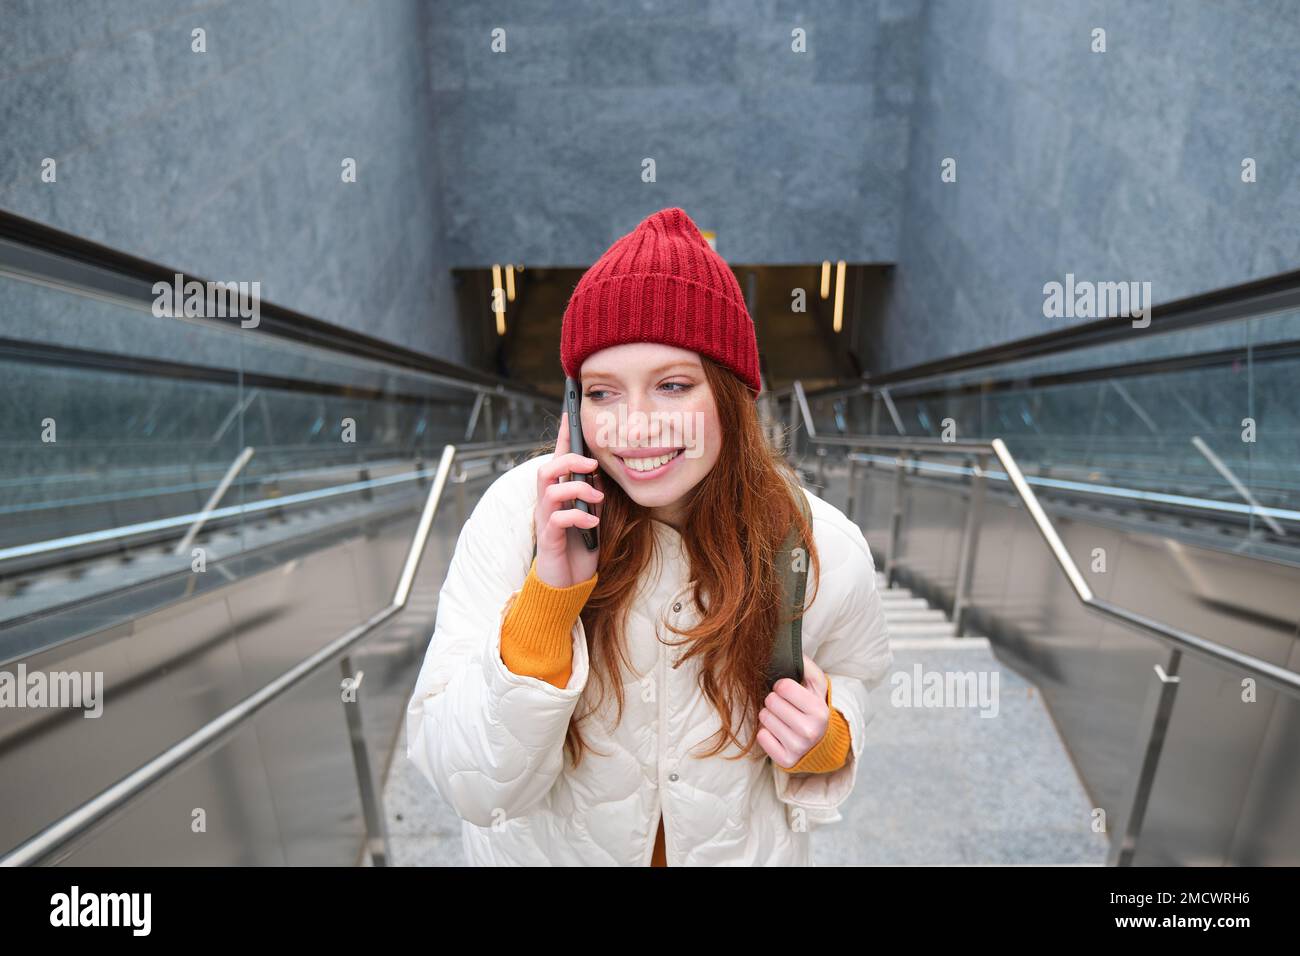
x=669 y=537
x=673 y=570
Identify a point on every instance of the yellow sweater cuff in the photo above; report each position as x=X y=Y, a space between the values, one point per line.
x=537 y=632
x=832 y=751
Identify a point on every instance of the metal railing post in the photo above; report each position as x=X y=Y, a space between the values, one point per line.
x=1153 y=729
x=802 y=400
x=473 y=416
x=462 y=509
x=853 y=487
x=893 y=411
x=792 y=444
x=867 y=484
x=214 y=499
x=372 y=800
x=969 y=545
x=896 y=520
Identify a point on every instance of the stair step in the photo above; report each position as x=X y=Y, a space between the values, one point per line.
x=940 y=644
x=921 y=629
x=896 y=594
x=905 y=604
x=914 y=615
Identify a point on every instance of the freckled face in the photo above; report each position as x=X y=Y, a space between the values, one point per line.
x=649 y=418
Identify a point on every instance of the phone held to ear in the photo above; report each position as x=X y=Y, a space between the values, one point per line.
x=572 y=405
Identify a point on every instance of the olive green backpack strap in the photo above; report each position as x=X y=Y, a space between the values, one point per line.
x=787 y=646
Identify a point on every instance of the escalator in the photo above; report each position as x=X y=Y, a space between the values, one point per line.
x=219 y=560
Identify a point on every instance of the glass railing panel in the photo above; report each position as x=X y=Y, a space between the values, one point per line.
x=1204 y=420
x=120 y=429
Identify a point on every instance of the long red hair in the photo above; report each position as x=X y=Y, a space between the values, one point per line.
x=736 y=521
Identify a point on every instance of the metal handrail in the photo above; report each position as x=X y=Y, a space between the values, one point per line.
x=854 y=388
x=795 y=391
x=1265 y=512
x=905 y=443
x=1158 y=710
x=132 y=288
x=1280 y=677
x=255 y=507
x=58 y=835
x=176 y=521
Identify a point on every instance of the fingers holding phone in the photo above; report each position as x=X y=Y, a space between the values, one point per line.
x=563 y=559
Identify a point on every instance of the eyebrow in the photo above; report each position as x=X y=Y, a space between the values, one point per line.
x=682 y=363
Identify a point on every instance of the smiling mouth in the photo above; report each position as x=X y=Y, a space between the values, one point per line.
x=648 y=464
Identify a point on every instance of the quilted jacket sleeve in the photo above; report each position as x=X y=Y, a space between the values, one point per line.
x=490 y=741
x=853 y=651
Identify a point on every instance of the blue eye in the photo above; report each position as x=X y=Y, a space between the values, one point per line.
x=676 y=388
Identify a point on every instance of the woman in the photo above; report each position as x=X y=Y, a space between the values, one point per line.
x=610 y=707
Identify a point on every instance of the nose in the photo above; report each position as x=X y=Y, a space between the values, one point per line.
x=642 y=428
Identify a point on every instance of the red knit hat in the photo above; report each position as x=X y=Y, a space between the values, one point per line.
x=662 y=282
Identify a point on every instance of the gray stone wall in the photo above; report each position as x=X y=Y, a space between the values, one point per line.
x=228 y=163
x=789 y=157
x=1112 y=166
x=1123 y=165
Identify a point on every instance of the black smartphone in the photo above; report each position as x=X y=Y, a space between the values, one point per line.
x=573 y=406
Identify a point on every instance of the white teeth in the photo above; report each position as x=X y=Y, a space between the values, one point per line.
x=649 y=464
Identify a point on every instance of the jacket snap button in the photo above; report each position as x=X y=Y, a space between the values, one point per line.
x=672 y=776
x=677 y=606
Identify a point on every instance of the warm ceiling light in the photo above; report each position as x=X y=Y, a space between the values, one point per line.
x=510 y=283
x=498 y=300
x=839 y=295
x=826 y=278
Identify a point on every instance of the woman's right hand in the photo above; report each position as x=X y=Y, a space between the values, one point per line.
x=562 y=558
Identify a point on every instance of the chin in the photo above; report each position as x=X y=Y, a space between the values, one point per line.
x=654 y=497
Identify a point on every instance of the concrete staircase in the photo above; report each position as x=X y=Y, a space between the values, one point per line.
x=911 y=616
x=966 y=785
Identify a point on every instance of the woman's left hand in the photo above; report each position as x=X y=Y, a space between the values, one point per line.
x=794 y=716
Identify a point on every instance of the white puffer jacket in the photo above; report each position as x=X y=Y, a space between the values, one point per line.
x=492 y=742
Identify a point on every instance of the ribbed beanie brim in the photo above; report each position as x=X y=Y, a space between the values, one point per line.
x=662 y=282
